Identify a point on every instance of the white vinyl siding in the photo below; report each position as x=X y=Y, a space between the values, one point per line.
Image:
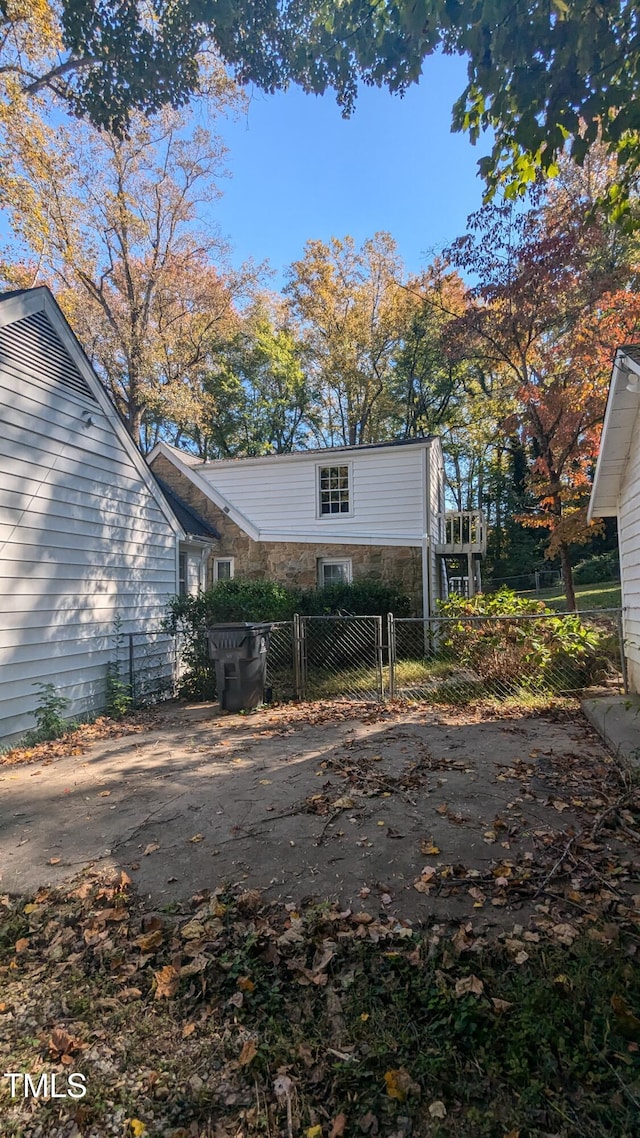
x=279 y=495
x=629 y=538
x=83 y=540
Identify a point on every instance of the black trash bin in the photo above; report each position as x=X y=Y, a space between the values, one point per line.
x=239 y=652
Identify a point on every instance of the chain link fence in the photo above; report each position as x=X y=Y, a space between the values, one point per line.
x=151 y=666
x=438 y=660
x=515 y=657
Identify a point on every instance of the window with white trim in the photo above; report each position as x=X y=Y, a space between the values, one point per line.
x=334 y=571
x=222 y=569
x=334 y=490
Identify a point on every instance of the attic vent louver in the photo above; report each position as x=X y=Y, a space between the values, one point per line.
x=31 y=347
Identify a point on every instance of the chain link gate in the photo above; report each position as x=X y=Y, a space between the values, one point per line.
x=339 y=656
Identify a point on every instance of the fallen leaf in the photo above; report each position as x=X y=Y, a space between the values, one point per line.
x=400 y=1084
x=167 y=980
x=245 y=984
x=188 y=1030
x=137 y=1128
x=105 y=793
x=54 y=861
x=338 y=1125
x=151 y=848
x=437 y=1109
x=248 y=1053
x=193 y=930
x=60 y=1042
x=428 y=848
x=469 y=985
x=147 y=942
x=22 y=944
x=344 y=803
x=314 y=1132
x=197 y=838
x=501 y=1005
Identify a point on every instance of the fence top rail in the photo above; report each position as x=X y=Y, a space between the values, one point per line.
x=463 y=618
x=340 y=616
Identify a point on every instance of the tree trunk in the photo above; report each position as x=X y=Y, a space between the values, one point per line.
x=567 y=573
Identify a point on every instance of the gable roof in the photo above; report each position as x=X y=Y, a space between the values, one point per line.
x=30 y=321
x=193 y=523
x=617 y=433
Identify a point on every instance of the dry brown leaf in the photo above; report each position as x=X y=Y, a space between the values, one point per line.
x=428 y=848
x=151 y=848
x=167 y=980
x=54 y=861
x=22 y=944
x=197 y=838
x=469 y=985
x=338 y=1125
x=148 y=942
x=501 y=1005
x=248 y=1053
x=188 y=1030
x=246 y=984
x=60 y=1042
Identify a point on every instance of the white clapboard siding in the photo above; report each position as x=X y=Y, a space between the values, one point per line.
x=279 y=495
x=84 y=540
x=629 y=537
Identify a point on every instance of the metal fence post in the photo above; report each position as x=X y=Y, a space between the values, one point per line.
x=298 y=656
x=391 y=638
x=131 y=669
x=379 y=659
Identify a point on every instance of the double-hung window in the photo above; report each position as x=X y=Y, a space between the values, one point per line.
x=334 y=490
x=334 y=571
x=222 y=569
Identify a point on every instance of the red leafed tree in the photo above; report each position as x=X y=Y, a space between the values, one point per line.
x=554 y=301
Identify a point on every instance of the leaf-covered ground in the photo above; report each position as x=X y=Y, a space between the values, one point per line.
x=507 y=1007
x=236 y=1018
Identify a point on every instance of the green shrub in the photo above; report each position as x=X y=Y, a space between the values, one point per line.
x=239 y=599
x=553 y=653
x=603 y=567
x=48 y=716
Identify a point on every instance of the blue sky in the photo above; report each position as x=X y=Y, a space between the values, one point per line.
x=299 y=170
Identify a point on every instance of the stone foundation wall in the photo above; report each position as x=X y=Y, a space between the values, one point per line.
x=296 y=563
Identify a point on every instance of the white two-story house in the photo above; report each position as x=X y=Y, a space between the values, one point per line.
x=315 y=517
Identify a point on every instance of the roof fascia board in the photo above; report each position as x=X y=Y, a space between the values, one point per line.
x=207 y=489
x=621 y=365
x=322 y=454
x=16 y=308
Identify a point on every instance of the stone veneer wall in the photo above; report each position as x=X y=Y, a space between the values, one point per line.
x=296 y=563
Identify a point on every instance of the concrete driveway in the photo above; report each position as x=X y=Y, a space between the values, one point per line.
x=357 y=804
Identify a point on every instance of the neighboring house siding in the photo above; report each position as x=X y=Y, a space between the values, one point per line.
x=629 y=537
x=83 y=541
x=280 y=495
x=296 y=562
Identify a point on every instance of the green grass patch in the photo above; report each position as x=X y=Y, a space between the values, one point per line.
x=600 y=596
